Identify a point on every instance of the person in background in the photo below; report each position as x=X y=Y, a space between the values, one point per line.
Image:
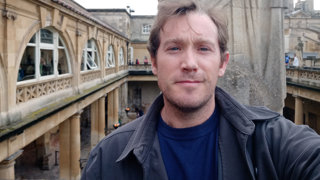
x=194 y=129
x=287 y=59
x=295 y=62
x=145 y=61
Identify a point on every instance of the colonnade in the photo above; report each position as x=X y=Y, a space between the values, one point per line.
x=70 y=140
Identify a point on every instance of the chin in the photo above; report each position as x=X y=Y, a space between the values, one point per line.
x=183 y=105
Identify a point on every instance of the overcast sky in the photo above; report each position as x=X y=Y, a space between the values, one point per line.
x=141 y=7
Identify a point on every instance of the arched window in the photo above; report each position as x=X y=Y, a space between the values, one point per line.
x=44 y=56
x=110 y=62
x=121 y=58
x=90 y=58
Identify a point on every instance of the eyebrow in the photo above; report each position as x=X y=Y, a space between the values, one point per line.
x=196 y=41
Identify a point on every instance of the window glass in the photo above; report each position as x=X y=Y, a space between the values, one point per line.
x=90 y=58
x=27 y=65
x=89 y=44
x=43 y=56
x=121 y=58
x=110 y=62
x=146 y=29
x=33 y=39
x=63 y=62
x=83 y=61
x=46 y=36
x=60 y=43
x=46 y=62
x=95 y=57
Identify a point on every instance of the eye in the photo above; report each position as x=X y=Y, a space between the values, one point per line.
x=204 y=49
x=173 y=49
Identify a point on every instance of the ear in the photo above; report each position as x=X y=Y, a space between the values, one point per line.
x=154 y=65
x=223 y=65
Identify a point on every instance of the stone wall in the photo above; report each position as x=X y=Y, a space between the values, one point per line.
x=136 y=27
x=256 y=73
x=117 y=18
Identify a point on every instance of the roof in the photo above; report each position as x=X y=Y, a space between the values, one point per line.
x=306 y=55
x=77 y=8
x=109 y=10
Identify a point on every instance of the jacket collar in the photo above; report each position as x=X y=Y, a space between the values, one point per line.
x=241 y=117
x=142 y=139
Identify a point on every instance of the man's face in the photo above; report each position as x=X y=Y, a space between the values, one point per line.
x=188 y=61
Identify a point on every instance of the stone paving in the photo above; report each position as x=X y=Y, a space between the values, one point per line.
x=27 y=170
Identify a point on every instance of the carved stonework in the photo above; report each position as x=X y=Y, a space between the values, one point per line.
x=110 y=71
x=9 y=14
x=310 y=75
x=89 y=76
x=30 y=91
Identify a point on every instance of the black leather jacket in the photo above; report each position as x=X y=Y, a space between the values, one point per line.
x=254 y=143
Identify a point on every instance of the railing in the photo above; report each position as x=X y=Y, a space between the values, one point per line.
x=109 y=71
x=30 y=91
x=304 y=76
x=140 y=67
x=90 y=75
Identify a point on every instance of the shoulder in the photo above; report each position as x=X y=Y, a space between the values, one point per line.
x=119 y=137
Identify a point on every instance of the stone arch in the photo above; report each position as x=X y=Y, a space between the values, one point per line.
x=34 y=28
x=3 y=86
x=71 y=49
x=109 y=64
x=97 y=51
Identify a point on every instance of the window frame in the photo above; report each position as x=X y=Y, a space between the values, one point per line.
x=89 y=60
x=38 y=47
x=113 y=61
x=121 y=57
x=146 y=28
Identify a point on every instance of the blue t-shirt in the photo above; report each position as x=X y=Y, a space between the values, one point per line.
x=190 y=153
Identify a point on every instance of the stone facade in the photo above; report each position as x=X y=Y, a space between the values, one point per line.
x=117 y=18
x=94 y=75
x=302 y=34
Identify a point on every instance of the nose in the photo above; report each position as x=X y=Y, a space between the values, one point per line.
x=189 y=61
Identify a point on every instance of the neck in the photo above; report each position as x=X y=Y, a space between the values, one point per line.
x=176 y=118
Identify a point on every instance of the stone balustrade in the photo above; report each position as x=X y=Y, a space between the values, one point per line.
x=28 y=91
x=306 y=76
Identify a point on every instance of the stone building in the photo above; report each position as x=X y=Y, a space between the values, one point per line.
x=61 y=69
x=302 y=34
x=64 y=68
x=137 y=28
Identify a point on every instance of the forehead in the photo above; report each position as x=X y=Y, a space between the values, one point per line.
x=194 y=24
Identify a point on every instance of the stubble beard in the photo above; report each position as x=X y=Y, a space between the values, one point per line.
x=187 y=107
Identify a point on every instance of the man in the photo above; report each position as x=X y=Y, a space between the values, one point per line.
x=295 y=61
x=195 y=130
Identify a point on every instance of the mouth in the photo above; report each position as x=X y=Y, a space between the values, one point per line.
x=188 y=82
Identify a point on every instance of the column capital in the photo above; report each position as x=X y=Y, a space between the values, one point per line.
x=77 y=114
x=11 y=158
x=296 y=96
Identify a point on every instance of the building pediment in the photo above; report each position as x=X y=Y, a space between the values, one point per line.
x=299 y=14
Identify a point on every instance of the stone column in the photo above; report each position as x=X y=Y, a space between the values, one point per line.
x=75 y=146
x=116 y=105
x=110 y=111
x=64 y=141
x=43 y=151
x=94 y=123
x=70 y=148
x=298 y=110
x=102 y=120
x=7 y=166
